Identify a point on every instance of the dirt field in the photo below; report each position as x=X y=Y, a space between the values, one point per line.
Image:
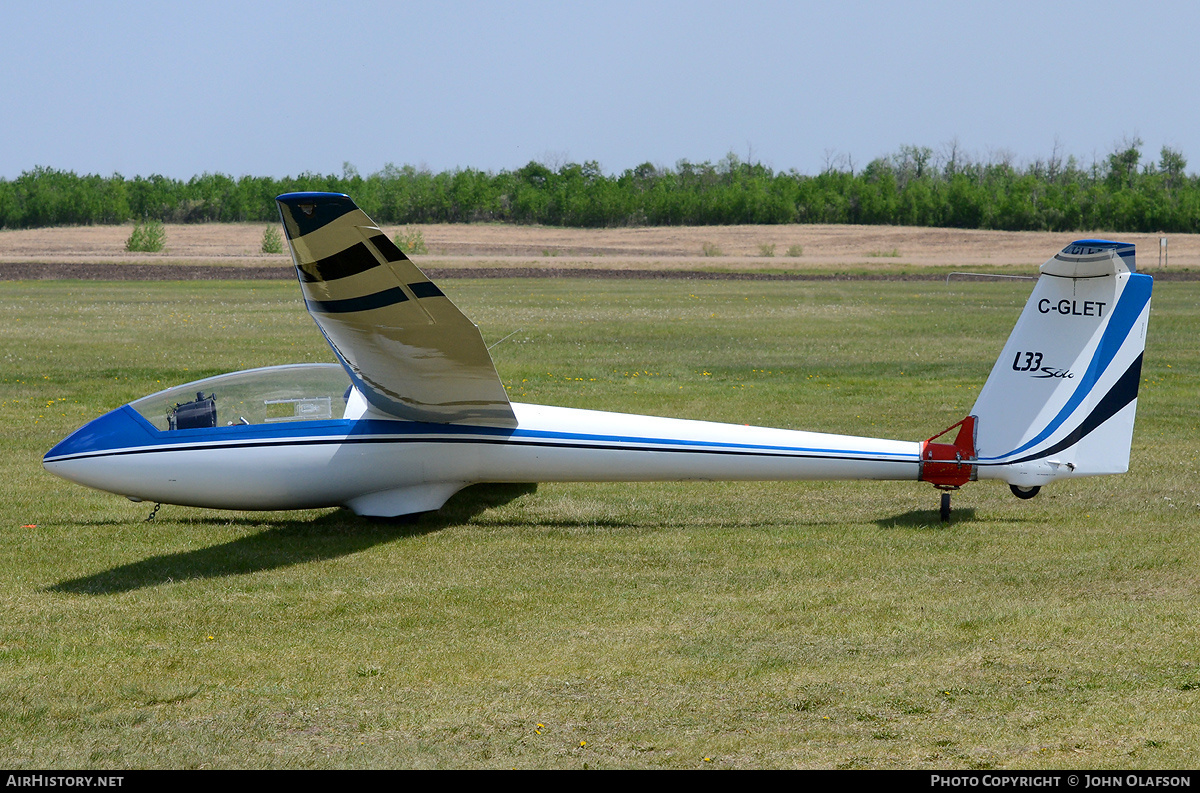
x=826 y=248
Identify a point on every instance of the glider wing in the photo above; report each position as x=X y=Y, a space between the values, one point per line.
x=408 y=349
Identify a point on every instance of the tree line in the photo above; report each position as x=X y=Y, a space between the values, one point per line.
x=1122 y=192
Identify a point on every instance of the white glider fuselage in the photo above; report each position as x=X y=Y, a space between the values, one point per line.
x=383 y=466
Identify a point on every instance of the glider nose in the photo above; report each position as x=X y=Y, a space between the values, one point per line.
x=88 y=455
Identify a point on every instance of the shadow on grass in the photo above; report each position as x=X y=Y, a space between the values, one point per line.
x=926 y=519
x=288 y=543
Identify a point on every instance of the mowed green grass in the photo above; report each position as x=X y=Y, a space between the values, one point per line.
x=689 y=625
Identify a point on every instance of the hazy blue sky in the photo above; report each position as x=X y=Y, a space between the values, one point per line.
x=275 y=89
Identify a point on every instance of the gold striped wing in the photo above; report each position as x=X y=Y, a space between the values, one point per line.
x=411 y=352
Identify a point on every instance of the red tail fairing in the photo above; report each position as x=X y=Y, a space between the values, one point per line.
x=950 y=465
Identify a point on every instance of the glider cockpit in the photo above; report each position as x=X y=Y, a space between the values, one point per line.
x=272 y=395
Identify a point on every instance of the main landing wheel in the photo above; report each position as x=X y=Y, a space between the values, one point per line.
x=1024 y=492
x=945 y=510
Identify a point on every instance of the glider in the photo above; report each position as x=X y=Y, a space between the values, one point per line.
x=414 y=410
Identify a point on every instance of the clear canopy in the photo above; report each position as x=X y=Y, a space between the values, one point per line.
x=298 y=392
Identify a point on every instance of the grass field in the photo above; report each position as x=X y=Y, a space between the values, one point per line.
x=823 y=248
x=691 y=625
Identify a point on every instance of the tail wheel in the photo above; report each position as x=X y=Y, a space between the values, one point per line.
x=944 y=512
x=1024 y=492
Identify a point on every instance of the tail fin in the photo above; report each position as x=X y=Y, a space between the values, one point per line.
x=1060 y=401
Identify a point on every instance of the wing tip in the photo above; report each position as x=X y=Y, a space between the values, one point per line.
x=304 y=213
x=311 y=195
